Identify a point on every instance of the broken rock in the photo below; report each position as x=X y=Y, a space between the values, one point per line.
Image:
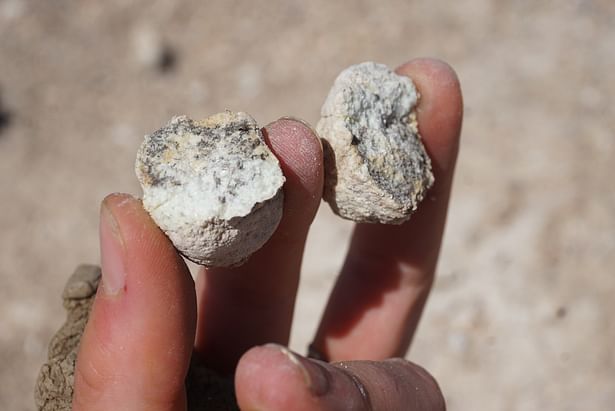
x=213 y=186
x=377 y=170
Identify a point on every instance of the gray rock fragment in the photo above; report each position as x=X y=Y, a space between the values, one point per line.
x=213 y=186
x=377 y=169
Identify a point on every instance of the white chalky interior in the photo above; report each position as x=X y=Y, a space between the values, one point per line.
x=198 y=197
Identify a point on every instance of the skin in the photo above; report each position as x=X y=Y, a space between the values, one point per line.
x=149 y=314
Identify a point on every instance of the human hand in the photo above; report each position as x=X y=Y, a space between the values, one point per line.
x=148 y=315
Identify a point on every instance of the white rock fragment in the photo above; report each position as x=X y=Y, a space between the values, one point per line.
x=213 y=186
x=377 y=169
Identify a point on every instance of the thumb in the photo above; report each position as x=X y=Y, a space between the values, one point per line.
x=273 y=378
x=136 y=347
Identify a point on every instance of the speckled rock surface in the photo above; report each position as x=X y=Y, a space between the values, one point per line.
x=377 y=169
x=213 y=186
x=54 y=388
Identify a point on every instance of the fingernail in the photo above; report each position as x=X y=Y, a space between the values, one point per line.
x=111 y=253
x=315 y=375
x=319 y=376
x=305 y=123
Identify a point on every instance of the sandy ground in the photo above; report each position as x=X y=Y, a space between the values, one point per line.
x=521 y=314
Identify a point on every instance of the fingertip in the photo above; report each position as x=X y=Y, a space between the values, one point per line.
x=440 y=110
x=155 y=272
x=270 y=377
x=436 y=78
x=142 y=236
x=127 y=210
x=119 y=200
x=439 y=70
x=299 y=151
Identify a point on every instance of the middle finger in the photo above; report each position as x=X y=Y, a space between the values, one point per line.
x=253 y=304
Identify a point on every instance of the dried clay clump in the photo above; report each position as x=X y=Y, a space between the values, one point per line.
x=213 y=186
x=377 y=169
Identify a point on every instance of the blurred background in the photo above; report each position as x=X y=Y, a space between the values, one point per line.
x=521 y=316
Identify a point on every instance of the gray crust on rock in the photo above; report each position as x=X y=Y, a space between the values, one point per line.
x=213 y=186
x=377 y=170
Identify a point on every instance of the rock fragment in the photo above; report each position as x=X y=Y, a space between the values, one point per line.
x=377 y=169
x=213 y=186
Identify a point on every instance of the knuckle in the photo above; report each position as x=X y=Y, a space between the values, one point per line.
x=431 y=398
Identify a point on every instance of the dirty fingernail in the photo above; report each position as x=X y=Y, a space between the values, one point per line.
x=315 y=375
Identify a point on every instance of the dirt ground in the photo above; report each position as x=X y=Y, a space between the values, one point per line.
x=521 y=313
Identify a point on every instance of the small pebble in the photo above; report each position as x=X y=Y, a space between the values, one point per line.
x=151 y=51
x=5 y=116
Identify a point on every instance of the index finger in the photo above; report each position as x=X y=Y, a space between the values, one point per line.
x=379 y=296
